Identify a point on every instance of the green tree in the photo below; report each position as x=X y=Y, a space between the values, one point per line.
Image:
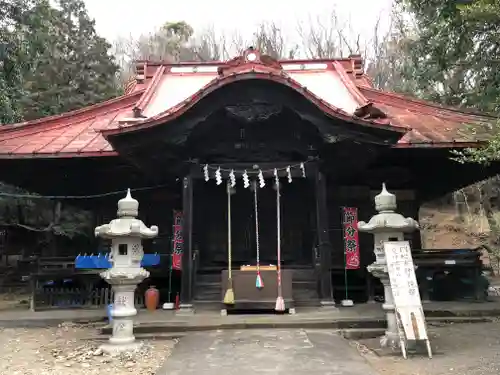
x=52 y=58
x=455 y=52
x=70 y=67
x=11 y=60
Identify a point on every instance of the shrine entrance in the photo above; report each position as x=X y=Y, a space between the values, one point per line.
x=297 y=224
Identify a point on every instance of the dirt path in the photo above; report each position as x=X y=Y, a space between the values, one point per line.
x=63 y=351
x=460 y=349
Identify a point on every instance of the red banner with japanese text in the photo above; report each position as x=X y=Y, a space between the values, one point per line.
x=351 y=237
x=177 y=240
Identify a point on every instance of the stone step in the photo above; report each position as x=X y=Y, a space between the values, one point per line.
x=140 y=336
x=349 y=333
x=353 y=326
x=258 y=322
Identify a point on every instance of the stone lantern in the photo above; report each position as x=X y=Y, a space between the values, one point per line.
x=126 y=234
x=387 y=225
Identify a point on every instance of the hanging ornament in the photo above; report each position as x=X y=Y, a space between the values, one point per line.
x=289 y=174
x=276 y=177
x=259 y=284
x=262 y=183
x=218 y=176
x=280 y=302
x=303 y=169
x=205 y=172
x=246 y=180
x=232 y=178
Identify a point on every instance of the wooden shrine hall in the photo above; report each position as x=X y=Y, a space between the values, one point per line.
x=186 y=131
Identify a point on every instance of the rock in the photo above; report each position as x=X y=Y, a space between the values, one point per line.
x=129 y=364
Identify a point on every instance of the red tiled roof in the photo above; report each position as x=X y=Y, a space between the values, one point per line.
x=164 y=91
x=430 y=123
x=74 y=133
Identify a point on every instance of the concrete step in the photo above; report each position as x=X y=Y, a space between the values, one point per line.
x=140 y=336
x=257 y=322
x=349 y=333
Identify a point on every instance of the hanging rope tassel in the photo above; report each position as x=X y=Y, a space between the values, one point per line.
x=259 y=284
x=229 y=296
x=280 y=302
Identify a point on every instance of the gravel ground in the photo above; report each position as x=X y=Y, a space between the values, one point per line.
x=66 y=350
x=459 y=349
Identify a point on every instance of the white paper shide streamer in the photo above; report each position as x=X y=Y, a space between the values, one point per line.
x=303 y=169
x=205 y=173
x=258 y=176
x=232 y=178
x=246 y=180
x=262 y=182
x=218 y=176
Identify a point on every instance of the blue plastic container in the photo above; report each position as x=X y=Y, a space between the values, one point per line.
x=109 y=311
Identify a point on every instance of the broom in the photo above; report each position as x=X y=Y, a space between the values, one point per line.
x=229 y=296
x=280 y=302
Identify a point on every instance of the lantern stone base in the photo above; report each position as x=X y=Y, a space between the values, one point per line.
x=118 y=348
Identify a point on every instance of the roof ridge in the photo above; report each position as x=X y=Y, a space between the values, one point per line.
x=150 y=90
x=66 y=115
x=219 y=63
x=349 y=84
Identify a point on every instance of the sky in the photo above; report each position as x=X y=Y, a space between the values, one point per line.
x=116 y=18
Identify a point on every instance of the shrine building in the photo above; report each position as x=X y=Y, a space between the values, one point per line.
x=320 y=125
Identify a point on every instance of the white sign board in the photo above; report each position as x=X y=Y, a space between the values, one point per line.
x=409 y=311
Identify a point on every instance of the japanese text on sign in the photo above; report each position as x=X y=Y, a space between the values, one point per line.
x=177 y=241
x=351 y=237
x=405 y=289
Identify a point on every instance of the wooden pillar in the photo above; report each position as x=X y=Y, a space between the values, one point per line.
x=417 y=235
x=324 y=245
x=187 y=258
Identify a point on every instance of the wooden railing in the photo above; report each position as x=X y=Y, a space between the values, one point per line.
x=56 y=298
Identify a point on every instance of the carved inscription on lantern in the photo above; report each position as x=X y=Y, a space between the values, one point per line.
x=118 y=328
x=121 y=301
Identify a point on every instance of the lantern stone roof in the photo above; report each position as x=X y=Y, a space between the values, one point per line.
x=127 y=225
x=387 y=219
x=163 y=91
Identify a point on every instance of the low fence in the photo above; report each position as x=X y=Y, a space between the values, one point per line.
x=53 y=298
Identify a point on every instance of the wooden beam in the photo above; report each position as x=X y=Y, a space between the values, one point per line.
x=324 y=245
x=187 y=257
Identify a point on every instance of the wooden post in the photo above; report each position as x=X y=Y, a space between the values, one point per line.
x=187 y=257
x=324 y=244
